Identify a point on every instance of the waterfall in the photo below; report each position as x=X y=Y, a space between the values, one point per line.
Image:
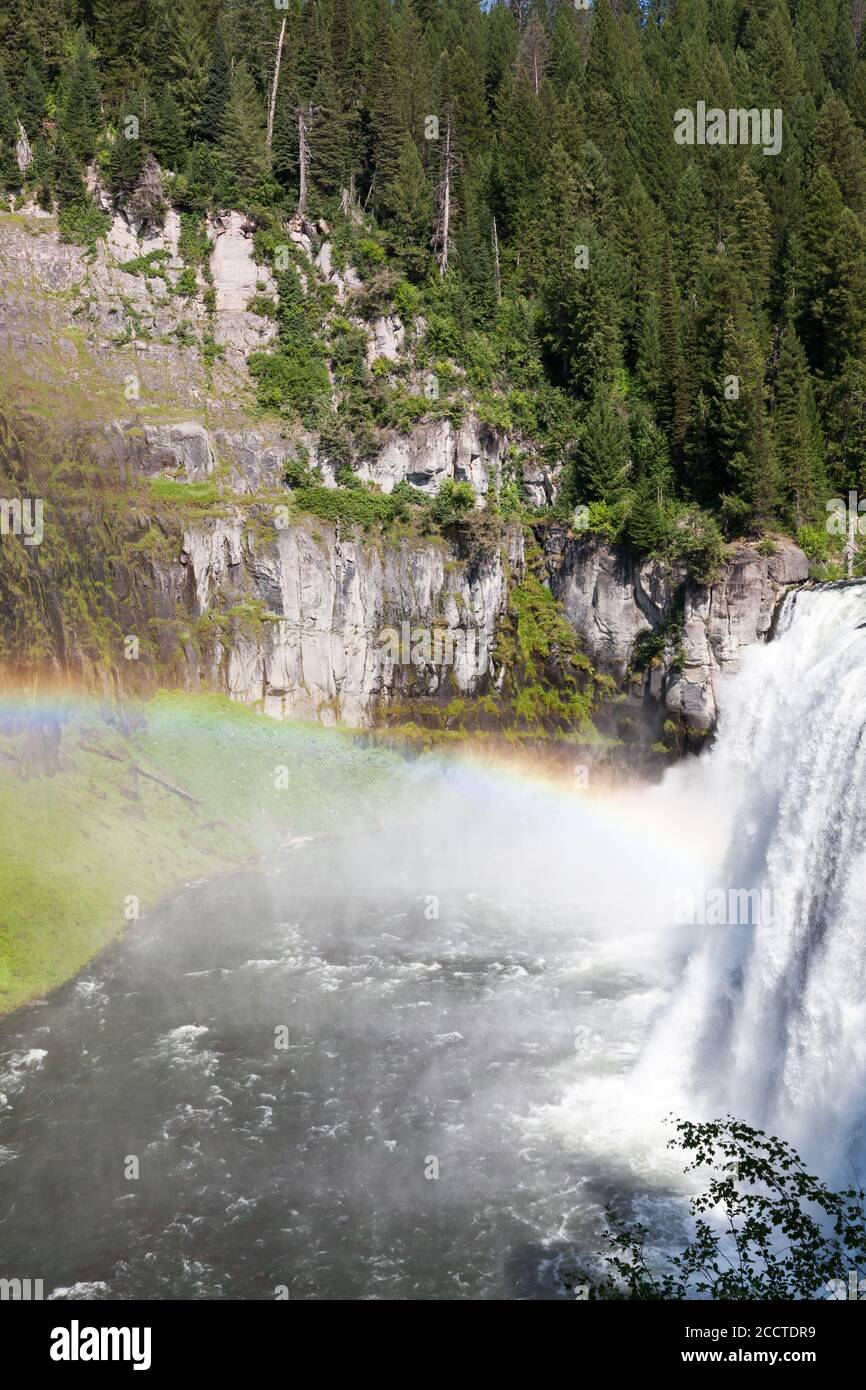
x=769 y=1019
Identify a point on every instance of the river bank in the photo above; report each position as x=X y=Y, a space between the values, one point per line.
x=103 y=813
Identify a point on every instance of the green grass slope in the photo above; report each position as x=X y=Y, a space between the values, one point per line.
x=76 y=845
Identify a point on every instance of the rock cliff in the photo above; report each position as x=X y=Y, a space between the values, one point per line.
x=325 y=642
x=617 y=602
x=293 y=616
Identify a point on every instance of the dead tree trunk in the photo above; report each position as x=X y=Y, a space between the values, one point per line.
x=442 y=232
x=303 y=115
x=272 y=104
x=497 y=277
x=303 y=160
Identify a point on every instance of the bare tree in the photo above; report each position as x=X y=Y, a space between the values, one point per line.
x=304 y=114
x=521 y=12
x=532 y=52
x=441 y=238
x=272 y=104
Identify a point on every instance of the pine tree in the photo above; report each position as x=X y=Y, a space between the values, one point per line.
x=566 y=49
x=31 y=101
x=188 y=61
x=10 y=175
x=386 y=132
x=131 y=144
x=841 y=58
x=41 y=173
x=839 y=146
x=640 y=237
x=81 y=114
x=751 y=242
x=832 y=288
x=692 y=232
x=117 y=33
x=329 y=137
x=798 y=434
x=602 y=465
x=69 y=188
x=284 y=147
x=673 y=402
x=242 y=144
x=169 y=140
x=412 y=208
x=216 y=93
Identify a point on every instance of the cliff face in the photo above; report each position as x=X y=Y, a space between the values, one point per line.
x=331 y=644
x=311 y=618
x=617 y=602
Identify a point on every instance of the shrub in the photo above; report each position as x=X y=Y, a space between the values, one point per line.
x=815 y=541
x=352 y=506
x=263 y=305
x=172 y=490
x=82 y=224
x=186 y=282
x=296 y=386
x=453 y=503
x=699 y=545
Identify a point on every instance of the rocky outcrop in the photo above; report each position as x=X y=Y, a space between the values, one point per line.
x=311 y=623
x=614 y=600
x=237 y=278
x=436 y=451
x=181 y=451
x=23 y=149
x=387 y=338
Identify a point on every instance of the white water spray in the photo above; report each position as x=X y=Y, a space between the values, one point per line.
x=769 y=1020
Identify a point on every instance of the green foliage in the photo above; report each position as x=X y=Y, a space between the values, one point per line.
x=153 y=263
x=549 y=684
x=764 y=1227
x=295 y=385
x=815 y=541
x=83 y=224
x=605 y=286
x=453 y=503
x=651 y=646
x=351 y=506
x=297 y=473
x=10 y=177
x=699 y=545
x=192 y=494
x=263 y=305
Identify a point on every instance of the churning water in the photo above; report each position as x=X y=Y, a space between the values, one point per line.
x=497 y=993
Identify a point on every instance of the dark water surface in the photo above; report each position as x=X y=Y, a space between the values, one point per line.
x=412 y=1037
